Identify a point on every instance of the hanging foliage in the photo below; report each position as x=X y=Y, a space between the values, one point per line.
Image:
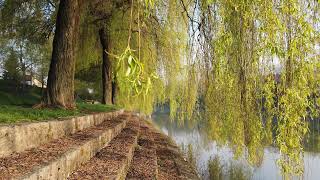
x=250 y=69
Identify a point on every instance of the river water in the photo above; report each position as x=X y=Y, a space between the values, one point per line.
x=204 y=149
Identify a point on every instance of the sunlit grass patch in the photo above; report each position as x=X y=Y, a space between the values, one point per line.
x=14 y=114
x=85 y=107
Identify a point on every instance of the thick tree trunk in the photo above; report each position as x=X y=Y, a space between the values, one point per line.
x=60 y=86
x=106 y=68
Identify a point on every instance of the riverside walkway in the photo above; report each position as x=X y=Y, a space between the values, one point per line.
x=115 y=145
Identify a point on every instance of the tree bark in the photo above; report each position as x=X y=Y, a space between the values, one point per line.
x=106 y=68
x=60 y=86
x=23 y=69
x=115 y=90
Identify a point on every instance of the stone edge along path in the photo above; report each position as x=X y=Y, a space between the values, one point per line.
x=58 y=158
x=23 y=136
x=161 y=153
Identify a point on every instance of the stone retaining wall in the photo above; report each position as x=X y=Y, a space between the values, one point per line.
x=19 y=137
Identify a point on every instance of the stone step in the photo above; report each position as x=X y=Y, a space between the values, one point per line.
x=144 y=163
x=113 y=161
x=58 y=158
x=23 y=136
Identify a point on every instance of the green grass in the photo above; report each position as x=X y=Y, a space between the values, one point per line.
x=10 y=95
x=85 y=107
x=17 y=107
x=13 y=114
x=27 y=99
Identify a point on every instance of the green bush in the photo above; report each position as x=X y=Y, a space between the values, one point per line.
x=237 y=172
x=215 y=168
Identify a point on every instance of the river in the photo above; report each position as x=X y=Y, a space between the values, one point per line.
x=204 y=149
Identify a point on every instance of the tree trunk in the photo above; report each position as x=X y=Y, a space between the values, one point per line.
x=115 y=90
x=106 y=68
x=60 y=86
x=23 y=69
x=42 y=84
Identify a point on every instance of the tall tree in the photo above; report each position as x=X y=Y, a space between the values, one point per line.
x=60 y=86
x=24 y=24
x=11 y=68
x=106 y=68
x=100 y=14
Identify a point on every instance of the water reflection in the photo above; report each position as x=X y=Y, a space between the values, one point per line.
x=204 y=150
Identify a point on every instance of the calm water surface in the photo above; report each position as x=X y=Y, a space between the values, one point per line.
x=204 y=149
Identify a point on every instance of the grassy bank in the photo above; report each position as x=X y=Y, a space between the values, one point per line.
x=12 y=95
x=13 y=113
x=16 y=106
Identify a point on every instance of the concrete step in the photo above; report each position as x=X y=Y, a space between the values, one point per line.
x=23 y=136
x=144 y=163
x=58 y=158
x=113 y=161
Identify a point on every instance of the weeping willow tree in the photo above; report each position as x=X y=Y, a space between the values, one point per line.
x=250 y=67
x=254 y=63
x=259 y=62
x=146 y=48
